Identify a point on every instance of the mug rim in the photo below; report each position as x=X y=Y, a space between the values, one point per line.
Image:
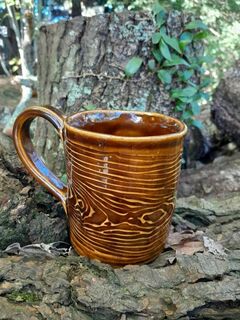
x=106 y=136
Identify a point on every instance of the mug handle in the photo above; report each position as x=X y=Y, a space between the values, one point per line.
x=29 y=156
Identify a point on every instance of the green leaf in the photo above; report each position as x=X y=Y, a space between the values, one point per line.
x=197 y=123
x=202 y=70
x=133 y=66
x=186 y=99
x=196 y=24
x=186 y=75
x=17 y=15
x=206 y=59
x=201 y=35
x=162 y=31
x=90 y=107
x=176 y=60
x=157 y=8
x=196 y=109
x=151 y=64
x=156 y=37
x=185 y=39
x=186 y=115
x=165 y=50
x=180 y=106
x=157 y=55
x=165 y=76
x=12 y=61
x=172 y=42
x=205 y=96
x=186 y=92
x=189 y=91
x=206 y=82
x=160 y=19
x=15 y=68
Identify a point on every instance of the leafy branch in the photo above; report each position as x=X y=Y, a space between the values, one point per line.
x=172 y=62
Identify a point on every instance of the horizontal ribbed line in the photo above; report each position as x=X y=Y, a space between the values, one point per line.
x=127 y=201
x=83 y=149
x=123 y=179
x=163 y=168
x=123 y=241
x=117 y=260
x=124 y=247
x=99 y=158
x=107 y=172
x=125 y=250
x=147 y=201
x=97 y=186
x=120 y=193
x=91 y=181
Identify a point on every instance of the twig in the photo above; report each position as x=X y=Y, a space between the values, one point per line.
x=91 y=74
x=101 y=75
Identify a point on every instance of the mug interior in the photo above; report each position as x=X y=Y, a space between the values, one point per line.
x=125 y=124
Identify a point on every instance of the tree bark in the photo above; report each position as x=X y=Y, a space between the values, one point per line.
x=76 y=8
x=218 y=178
x=81 y=63
x=225 y=105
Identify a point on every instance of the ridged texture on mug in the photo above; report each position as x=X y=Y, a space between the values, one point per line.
x=120 y=204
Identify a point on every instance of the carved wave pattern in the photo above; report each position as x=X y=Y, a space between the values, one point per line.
x=120 y=206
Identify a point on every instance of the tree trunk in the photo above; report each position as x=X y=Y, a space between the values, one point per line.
x=24 y=41
x=81 y=63
x=76 y=8
x=225 y=105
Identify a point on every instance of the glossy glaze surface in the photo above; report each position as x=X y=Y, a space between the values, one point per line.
x=122 y=173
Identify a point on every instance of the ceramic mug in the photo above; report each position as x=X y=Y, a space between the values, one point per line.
x=122 y=170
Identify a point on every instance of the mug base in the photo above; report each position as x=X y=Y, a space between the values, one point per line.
x=110 y=259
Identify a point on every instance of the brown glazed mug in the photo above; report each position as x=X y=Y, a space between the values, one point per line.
x=122 y=170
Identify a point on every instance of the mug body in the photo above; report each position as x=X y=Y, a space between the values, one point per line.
x=122 y=170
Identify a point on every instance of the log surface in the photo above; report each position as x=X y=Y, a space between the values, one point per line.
x=197 y=276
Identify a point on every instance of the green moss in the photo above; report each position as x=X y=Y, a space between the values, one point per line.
x=131 y=31
x=87 y=91
x=23 y=296
x=135 y=31
x=74 y=93
x=77 y=92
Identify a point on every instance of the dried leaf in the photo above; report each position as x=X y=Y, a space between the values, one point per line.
x=189 y=247
x=187 y=242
